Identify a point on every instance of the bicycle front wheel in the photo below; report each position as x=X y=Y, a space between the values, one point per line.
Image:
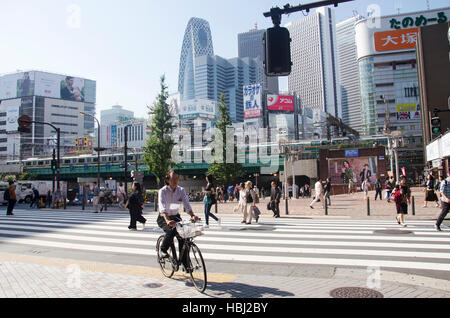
x=166 y=264
x=197 y=268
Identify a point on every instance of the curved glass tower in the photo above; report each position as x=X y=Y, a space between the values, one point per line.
x=197 y=42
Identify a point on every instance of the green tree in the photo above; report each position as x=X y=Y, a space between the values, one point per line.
x=159 y=145
x=223 y=172
x=26 y=176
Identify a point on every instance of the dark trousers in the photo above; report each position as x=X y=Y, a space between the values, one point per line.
x=379 y=193
x=275 y=208
x=445 y=209
x=171 y=233
x=136 y=216
x=11 y=204
x=208 y=213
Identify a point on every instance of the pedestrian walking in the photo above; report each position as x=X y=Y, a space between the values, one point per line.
x=389 y=188
x=402 y=198
x=275 y=198
x=430 y=194
x=327 y=190
x=365 y=188
x=10 y=196
x=438 y=189
x=96 y=198
x=121 y=195
x=135 y=205
x=48 y=200
x=250 y=202
x=379 y=190
x=208 y=200
x=319 y=193
x=445 y=201
x=241 y=201
x=106 y=198
x=35 y=198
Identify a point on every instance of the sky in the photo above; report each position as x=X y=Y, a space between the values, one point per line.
x=126 y=46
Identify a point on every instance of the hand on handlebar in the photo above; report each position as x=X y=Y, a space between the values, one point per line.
x=172 y=223
x=195 y=218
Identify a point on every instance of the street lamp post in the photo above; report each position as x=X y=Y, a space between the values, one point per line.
x=98 y=146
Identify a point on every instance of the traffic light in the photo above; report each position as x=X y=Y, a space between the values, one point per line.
x=277 y=44
x=54 y=165
x=436 y=125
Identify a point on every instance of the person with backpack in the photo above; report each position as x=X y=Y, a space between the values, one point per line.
x=445 y=201
x=10 y=196
x=402 y=198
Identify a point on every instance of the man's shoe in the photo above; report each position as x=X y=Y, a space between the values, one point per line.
x=437 y=228
x=164 y=255
x=311 y=207
x=133 y=229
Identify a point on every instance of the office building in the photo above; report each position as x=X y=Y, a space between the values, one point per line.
x=349 y=73
x=216 y=75
x=44 y=97
x=390 y=95
x=250 y=44
x=197 y=42
x=314 y=74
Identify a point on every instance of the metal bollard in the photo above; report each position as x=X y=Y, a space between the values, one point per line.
x=368 y=206
x=413 y=205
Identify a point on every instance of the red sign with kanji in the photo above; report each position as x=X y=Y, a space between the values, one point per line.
x=396 y=40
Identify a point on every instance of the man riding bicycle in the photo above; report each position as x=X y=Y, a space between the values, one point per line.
x=170 y=199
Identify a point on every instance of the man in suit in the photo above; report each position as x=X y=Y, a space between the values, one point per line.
x=275 y=196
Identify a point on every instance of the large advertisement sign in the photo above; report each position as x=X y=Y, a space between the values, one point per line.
x=407 y=98
x=280 y=103
x=396 y=40
x=355 y=169
x=198 y=108
x=253 y=101
x=17 y=85
x=59 y=86
x=13 y=116
x=47 y=85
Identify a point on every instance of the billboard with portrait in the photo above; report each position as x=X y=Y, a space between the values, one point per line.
x=47 y=85
x=17 y=85
x=356 y=169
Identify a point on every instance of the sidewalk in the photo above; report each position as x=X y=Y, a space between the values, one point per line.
x=38 y=277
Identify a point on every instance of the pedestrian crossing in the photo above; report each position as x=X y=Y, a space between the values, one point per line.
x=289 y=241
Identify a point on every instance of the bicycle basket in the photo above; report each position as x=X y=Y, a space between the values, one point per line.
x=189 y=229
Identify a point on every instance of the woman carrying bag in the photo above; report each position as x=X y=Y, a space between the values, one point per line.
x=250 y=203
x=135 y=205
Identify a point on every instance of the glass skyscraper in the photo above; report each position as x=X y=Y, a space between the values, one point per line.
x=197 y=42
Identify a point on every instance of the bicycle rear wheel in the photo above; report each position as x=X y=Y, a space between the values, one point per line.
x=166 y=264
x=197 y=268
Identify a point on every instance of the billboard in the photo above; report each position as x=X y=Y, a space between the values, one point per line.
x=253 y=101
x=198 y=108
x=280 y=103
x=47 y=85
x=59 y=86
x=17 y=85
x=341 y=171
x=396 y=40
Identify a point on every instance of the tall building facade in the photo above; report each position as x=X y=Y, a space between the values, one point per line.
x=315 y=76
x=197 y=42
x=44 y=97
x=349 y=73
x=110 y=117
x=216 y=75
x=387 y=64
x=250 y=44
x=390 y=94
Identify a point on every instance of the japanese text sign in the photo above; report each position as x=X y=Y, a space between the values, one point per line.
x=252 y=101
x=396 y=40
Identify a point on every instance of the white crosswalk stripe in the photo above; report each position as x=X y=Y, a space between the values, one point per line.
x=334 y=242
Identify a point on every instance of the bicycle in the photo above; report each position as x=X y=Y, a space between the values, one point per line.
x=188 y=231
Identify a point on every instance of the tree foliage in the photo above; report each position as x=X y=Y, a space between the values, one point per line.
x=159 y=145
x=225 y=173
